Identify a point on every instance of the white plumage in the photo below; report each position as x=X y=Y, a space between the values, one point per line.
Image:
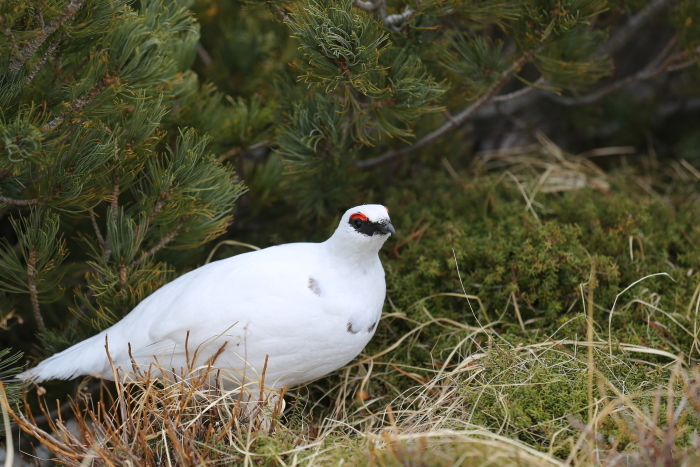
x=309 y=307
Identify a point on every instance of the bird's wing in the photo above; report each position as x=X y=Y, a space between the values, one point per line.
x=218 y=303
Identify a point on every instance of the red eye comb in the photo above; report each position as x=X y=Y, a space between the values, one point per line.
x=359 y=215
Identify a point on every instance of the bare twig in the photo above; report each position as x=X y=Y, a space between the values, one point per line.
x=628 y=31
x=160 y=204
x=204 y=55
x=49 y=51
x=279 y=12
x=682 y=65
x=519 y=92
x=164 y=241
x=28 y=50
x=114 y=211
x=96 y=227
x=366 y=6
x=33 y=292
x=7 y=32
x=78 y=104
x=453 y=122
x=21 y=202
x=391 y=21
x=649 y=72
x=114 y=204
x=399 y=18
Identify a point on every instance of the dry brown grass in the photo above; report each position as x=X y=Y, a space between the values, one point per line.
x=183 y=420
x=186 y=421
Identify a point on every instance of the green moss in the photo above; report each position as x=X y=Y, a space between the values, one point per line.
x=478 y=237
x=504 y=254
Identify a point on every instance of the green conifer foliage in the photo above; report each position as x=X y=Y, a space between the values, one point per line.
x=96 y=180
x=358 y=84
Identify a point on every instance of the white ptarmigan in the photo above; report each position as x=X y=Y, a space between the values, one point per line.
x=309 y=307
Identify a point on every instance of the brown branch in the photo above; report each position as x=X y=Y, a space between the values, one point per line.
x=21 y=202
x=78 y=104
x=28 y=50
x=96 y=227
x=113 y=218
x=50 y=50
x=520 y=92
x=452 y=123
x=158 y=207
x=123 y=282
x=204 y=55
x=33 y=292
x=496 y=110
x=674 y=62
x=164 y=241
x=279 y=12
x=681 y=65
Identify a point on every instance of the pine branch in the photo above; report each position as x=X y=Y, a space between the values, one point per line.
x=33 y=292
x=49 y=51
x=163 y=242
x=453 y=122
x=22 y=202
x=78 y=104
x=28 y=50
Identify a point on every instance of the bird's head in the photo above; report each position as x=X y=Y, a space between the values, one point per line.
x=364 y=227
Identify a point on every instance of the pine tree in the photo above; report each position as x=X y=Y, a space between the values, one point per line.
x=102 y=186
x=371 y=83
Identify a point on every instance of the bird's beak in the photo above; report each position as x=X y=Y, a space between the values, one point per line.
x=388 y=228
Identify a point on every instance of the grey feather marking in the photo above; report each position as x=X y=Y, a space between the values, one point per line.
x=313 y=286
x=349 y=328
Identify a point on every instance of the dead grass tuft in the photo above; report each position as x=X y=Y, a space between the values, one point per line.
x=176 y=420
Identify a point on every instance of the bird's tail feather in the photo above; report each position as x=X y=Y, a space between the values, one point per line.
x=83 y=358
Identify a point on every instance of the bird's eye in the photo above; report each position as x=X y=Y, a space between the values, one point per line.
x=357 y=223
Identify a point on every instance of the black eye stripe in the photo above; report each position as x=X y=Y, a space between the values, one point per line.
x=368 y=228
